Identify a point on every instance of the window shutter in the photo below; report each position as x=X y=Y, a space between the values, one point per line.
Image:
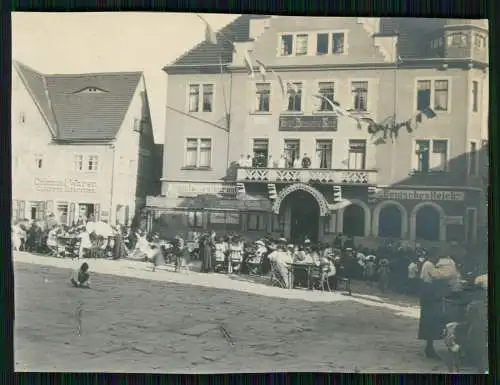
x=22 y=209
x=41 y=211
x=71 y=214
x=49 y=205
x=97 y=212
x=414 y=156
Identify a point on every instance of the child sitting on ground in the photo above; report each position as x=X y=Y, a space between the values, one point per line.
x=81 y=277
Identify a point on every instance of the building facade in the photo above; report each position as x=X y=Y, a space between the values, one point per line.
x=82 y=145
x=262 y=90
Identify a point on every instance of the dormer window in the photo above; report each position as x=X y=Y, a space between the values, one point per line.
x=458 y=40
x=91 y=90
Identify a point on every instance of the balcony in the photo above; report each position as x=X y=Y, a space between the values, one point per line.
x=306 y=175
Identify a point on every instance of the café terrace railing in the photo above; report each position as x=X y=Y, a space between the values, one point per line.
x=306 y=175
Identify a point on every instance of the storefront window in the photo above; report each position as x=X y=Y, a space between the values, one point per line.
x=195 y=219
x=257 y=222
x=62 y=213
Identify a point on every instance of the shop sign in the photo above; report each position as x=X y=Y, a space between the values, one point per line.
x=65 y=185
x=421 y=195
x=454 y=220
x=308 y=123
x=225 y=218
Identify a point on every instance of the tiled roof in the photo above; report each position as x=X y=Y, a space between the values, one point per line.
x=75 y=115
x=207 y=53
x=410 y=43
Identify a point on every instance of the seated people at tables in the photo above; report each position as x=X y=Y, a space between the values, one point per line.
x=81 y=277
x=332 y=271
x=280 y=260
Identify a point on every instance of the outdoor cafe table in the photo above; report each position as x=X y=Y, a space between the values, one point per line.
x=304 y=266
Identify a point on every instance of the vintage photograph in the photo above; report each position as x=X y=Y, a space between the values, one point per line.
x=216 y=193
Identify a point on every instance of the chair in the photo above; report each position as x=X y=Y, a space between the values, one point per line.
x=346 y=281
x=319 y=277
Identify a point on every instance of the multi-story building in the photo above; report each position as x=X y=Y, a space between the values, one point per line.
x=82 y=145
x=426 y=77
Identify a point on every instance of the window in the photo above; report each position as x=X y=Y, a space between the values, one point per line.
x=263 y=91
x=357 y=154
x=337 y=43
x=78 y=162
x=261 y=152
x=194 y=98
x=256 y=222
x=286 y=45
x=62 y=213
x=37 y=210
x=458 y=40
x=324 y=153
x=292 y=151
x=475 y=94
x=433 y=94
x=195 y=219
x=329 y=223
x=294 y=97
x=301 y=44
x=439 y=156
x=360 y=95
x=208 y=96
x=322 y=44
x=422 y=153
x=93 y=163
x=327 y=90
x=423 y=94
x=479 y=41
x=473 y=157
x=435 y=160
x=198 y=153
x=38 y=161
x=441 y=95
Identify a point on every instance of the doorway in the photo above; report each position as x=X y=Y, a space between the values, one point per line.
x=389 y=222
x=354 y=221
x=304 y=221
x=427 y=224
x=87 y=211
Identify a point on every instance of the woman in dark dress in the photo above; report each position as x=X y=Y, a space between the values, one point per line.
x=206 y=256
x=431 y=325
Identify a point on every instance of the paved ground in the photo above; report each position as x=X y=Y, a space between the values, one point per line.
x=164 y=324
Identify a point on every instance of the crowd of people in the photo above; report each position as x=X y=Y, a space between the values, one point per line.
x=449 y=291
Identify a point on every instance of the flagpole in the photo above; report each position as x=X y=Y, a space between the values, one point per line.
x=395 y=95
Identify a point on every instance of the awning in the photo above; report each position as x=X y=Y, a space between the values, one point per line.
x=245 y=202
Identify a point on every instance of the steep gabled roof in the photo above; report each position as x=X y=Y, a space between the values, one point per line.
x=411 y=42
x=206 y=53
x=81 y=116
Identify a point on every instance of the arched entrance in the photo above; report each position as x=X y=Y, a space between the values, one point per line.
x=389 y=222
x=304 y=216
x=427 y=223
x=353 y=223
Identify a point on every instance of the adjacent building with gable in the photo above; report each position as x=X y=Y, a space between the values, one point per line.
x=420 y=181
x=82 y=145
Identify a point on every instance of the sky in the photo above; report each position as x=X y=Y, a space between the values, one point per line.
x=68 y=43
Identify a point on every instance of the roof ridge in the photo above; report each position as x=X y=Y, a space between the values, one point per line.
x=56 y=126
x=76 y=75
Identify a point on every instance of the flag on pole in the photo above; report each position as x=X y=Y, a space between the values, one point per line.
x=428 y=112
x=248 y=64
x=210 y=35
x=323 y=97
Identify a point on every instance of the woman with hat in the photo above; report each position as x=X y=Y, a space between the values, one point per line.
x=280 y=259
x=206 y=255
x=235 y=254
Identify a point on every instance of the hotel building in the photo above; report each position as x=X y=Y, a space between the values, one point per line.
x=427 y=77
x=82 y=145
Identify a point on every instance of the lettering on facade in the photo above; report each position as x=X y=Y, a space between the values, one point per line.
x=192 y=190
x=421 y=195
x=308 y=123
x=71 y=185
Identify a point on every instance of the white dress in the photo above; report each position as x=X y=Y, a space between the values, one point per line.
x=220 y=249
x=236 y=252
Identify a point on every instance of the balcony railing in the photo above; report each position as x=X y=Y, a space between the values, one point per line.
x=306 y=175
